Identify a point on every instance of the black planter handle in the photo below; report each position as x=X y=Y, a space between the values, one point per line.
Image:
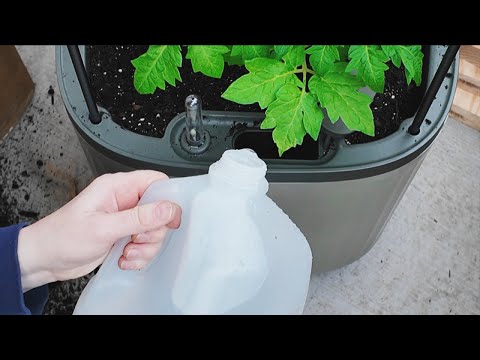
x=79 y=67
x=432 y=90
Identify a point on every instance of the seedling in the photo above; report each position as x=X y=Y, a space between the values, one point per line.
x=295 y=84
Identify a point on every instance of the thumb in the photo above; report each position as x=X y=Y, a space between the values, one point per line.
x=139 y=219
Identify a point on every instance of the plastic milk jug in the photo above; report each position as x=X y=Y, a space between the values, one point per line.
x=236 y=251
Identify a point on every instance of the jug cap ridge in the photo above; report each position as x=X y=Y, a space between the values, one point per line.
x=242 y=167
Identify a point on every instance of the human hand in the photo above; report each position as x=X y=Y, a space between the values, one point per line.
x=74 y=240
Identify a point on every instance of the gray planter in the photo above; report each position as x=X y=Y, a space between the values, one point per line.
x=341 y=201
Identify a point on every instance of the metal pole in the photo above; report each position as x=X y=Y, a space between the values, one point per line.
x=432 y=90
x=79 y=67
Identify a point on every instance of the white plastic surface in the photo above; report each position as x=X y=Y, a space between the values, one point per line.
x=236 y=251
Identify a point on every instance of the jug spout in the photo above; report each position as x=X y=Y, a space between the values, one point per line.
x=241 y=168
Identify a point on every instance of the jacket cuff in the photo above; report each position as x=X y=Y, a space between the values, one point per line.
x=12 y=299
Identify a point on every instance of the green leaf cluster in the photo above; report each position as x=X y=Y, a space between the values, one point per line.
x=295 y=84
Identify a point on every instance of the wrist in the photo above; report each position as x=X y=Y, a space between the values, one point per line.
x=32 y=260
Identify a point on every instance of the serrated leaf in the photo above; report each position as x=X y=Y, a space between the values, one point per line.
x=295 y=56
x=412 y=58
x=322 y=57
x=293 y=114
x=391 y=52
x=268 y=123
x=369 y=61
x=338 y=93
x=249 y=52
x=281 y=50
x=265 y=78
x=339 y=66
x=207 y=59
x=155 y=67
x=312 y=116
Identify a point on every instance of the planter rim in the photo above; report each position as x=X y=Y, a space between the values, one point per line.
x=349 y=162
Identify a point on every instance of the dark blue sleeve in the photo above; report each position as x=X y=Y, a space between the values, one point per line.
x=12 y=299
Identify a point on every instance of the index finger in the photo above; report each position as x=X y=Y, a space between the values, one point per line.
x=128 y=187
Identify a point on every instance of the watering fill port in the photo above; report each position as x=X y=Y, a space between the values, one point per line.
x=195 y=139
x=262 y=143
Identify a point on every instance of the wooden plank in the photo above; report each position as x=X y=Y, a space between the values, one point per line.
x=471 y=53
x=469 y=87
x=474 y=82
x=466 y=105
x=468 y=69
x=465 y=117
x=467 y=98
x=16 y=88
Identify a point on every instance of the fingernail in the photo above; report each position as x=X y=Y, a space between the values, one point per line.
x=132 y=254
x=164 y=211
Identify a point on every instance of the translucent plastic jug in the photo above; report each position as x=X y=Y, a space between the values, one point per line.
x=236 y=251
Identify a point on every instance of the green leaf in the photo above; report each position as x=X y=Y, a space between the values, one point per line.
x=339 y=67
x=322 y=57
x=293 y=114
x=369 y=61
x=338 y=93
x=265 y=78
x=313 y=116
x=232 y=60
x=391 y=52
x=249 y=52
x=268 y=123
x=208 y=59
x=295 y=56
x=281 y=50
x=412 y=58
x=158 y=65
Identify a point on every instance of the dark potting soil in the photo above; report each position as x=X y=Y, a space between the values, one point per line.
x=111 y=75
x=398 y=102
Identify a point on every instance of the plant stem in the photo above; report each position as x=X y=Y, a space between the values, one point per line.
x=304 y=71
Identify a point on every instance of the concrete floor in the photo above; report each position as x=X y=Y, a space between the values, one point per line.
x=427 y=260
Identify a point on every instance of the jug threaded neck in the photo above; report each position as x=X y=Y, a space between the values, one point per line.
x=240 y=167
